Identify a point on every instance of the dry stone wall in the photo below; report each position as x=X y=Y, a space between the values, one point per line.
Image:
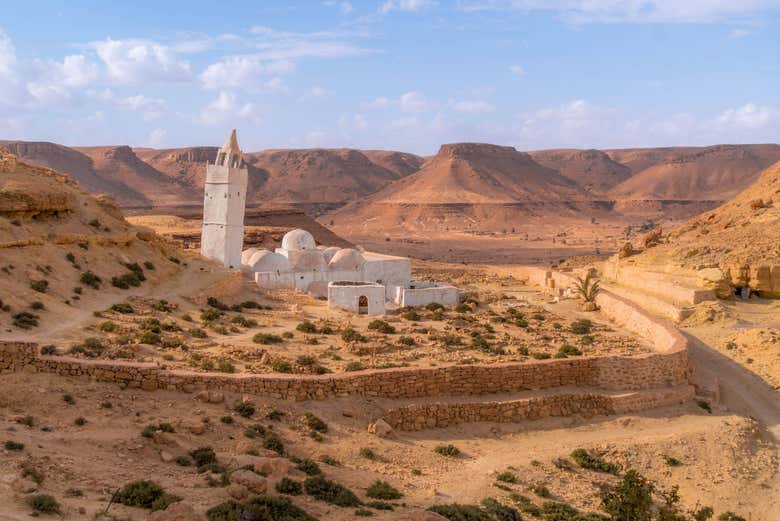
x=667 y=367
x=587 y=404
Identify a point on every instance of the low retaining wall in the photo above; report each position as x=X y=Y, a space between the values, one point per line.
x=587 y=404
x=667 y=367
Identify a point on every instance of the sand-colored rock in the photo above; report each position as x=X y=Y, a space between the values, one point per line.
x=253 y=482
x=179 y=511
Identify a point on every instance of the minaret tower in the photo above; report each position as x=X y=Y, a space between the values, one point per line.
x=224 y=203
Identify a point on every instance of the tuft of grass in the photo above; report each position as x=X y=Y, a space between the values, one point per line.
x=13 y=445
x=289 y=486
x=367 y=453
x=267 y=339
x=506 y=477
x=315 y=423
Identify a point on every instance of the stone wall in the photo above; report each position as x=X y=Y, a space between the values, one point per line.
x=587 y=404
x=666 y=367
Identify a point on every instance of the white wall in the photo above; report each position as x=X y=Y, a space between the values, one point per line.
x=347 y=297
x=444 y=295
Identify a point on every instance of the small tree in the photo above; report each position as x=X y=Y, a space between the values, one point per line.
x=587 y=288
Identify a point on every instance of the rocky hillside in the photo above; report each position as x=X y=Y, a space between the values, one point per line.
x=64 y=252
x=594 y=170
x=733 y=245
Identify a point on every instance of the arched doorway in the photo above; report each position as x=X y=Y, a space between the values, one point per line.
x=362 y=305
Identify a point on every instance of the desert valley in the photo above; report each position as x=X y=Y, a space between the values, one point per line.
x=414 y=260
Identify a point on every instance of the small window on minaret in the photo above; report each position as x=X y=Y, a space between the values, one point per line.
x=221 y=159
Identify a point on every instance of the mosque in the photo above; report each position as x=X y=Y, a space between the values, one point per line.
x=357 y=281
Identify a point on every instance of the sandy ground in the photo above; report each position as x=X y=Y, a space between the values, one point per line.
x=725 y=461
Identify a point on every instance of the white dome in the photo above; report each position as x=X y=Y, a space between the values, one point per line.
x=298 y=239
x=247 y=254
x=264 y=260
x=329 y=252
x=347 y=259
x=312 y=260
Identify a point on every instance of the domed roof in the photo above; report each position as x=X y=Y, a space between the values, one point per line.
x=247 y=254
x=298 y=240
x=312 y=260
x=264 y=260
x=347 y=259
x=329 y=252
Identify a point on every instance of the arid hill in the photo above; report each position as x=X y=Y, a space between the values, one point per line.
x=715 y=173
x=594 y=170
x=469 y=186
x=313 y=179
x=735 y=244
x=61 y=247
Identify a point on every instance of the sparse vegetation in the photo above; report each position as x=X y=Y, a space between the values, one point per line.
x=329 y=491
x=383 y=490
x=587 y=461
x=44 y=504
x=447 y=450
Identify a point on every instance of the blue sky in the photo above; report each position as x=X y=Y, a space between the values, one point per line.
x=392 y=74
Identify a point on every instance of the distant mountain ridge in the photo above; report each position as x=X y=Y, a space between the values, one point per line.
x=652 y=182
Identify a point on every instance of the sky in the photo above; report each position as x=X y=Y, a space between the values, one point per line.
x=391 y=74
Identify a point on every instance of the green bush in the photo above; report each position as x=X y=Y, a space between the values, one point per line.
x=272 y=441
x=329 y=491
x=434 y=306
x=315 y=423
x=90 y=279
x=632 y=498
x=49 y=350
x=525 y=504
x=383 y=490
x=245 y=409
x=41 y=286
x=142 y=493
x=289 y=486
x=562 y=511
x=381 y=326
x=259 y=508
x=13 y=445
x=581 y=327
x=108 y=326
x=243 y=321
x=123 y=307
x=587 y=461
x=150 y=338
x=44 y=504
x=457 y=512
x=507 y=477
x=447 y=450
x=730 y=516
x=499 y=511
x=306 y=327
x=406 y=341
x=350 y=335
x=203 y=456
x=266 y=339
x=197 y=332
x=569 y=350
x=540 y=490
x=309 y=467
x=216 y=304
x=367 y=453
x=354 y=366
x=25 y=320
x=280 y=365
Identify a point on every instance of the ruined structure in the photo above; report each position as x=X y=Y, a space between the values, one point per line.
x=224 y=204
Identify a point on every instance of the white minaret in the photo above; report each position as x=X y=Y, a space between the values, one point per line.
x=223 y=206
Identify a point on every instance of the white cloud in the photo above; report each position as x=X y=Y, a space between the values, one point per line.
x=242 y=72
x=517 y=70
x=405 y=5
x=413 y=102
x=739 y=33
x=139 y=61
x=749 y=116
x=674 y=11
x=472 y=106
x=381 y=102
x=157 y=137
x=356 y=122
x=7 y=55
x=226 y=107
x=343 y=7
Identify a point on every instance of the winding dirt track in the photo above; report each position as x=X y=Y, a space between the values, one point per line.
x=745 y=393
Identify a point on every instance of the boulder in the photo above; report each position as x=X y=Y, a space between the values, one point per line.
x=237 y=491
x=273 y=466
x=381 y=428
x=179 y=511
x=210 y=396
x=254 y=483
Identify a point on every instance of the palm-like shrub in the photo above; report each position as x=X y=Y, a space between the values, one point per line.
x=587 y=288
